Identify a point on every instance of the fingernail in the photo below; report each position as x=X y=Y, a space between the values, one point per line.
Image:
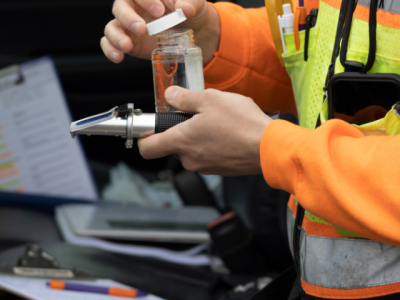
x=155 y=10
x=171 y=93
x=135 y=27
x=121 y=44
x=114 y=55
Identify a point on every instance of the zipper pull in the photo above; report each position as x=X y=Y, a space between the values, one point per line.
x=310 y=23
x=381 y=4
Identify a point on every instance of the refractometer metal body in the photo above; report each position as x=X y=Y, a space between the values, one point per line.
x=127 y=122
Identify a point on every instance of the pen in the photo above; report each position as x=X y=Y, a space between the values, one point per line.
x=302 y=21
x=274 y=9
x=300 y=17
x=112 y=291
x=286 y=23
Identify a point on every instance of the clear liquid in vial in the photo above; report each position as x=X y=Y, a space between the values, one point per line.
x=177 y=62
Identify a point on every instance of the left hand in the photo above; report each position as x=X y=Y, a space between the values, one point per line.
x=127 y=33
x=223 y=138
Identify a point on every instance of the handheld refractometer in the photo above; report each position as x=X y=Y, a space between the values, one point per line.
x=127 y=122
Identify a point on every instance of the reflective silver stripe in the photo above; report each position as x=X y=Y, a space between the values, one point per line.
x=392 y=6
x=345 y=263
x=348 y=263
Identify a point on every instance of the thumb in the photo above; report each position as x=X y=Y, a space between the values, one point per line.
x=184 y=100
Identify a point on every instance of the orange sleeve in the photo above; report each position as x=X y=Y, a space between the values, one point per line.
x=338 y=174
x=246 y=62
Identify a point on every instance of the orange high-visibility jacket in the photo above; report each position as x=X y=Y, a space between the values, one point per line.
x=338 y=174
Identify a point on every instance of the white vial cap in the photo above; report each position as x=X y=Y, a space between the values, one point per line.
x=287 y=9
x=166 y=22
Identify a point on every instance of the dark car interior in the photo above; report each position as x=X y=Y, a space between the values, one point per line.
x=70 y=32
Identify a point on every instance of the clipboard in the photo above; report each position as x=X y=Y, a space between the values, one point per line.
x=36 y=263
x=29 y=278
x=38 y=161
x=11 y=70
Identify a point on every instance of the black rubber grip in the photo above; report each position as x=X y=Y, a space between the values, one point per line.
x=166 y=120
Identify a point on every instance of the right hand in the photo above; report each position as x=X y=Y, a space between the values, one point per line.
x=127 y=33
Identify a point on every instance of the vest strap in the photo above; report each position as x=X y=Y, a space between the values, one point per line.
x=356 y=66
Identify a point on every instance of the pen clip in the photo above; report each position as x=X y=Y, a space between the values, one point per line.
x=281 y=26
x=310 y=23
x=300 y=17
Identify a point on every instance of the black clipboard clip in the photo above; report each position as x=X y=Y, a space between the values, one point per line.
x=36 y=263
x=10 y=76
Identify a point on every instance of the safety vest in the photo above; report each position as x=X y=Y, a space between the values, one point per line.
x=334 y=263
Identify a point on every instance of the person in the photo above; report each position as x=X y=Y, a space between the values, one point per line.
x=346 y=181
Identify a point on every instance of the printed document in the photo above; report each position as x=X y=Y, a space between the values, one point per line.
x=37 y=154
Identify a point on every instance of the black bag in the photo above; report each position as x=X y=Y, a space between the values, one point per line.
x=354 y=90
x=349 y=93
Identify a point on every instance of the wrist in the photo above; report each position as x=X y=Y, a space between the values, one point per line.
x=253 y=139
x=262 y=128
x=208 y=36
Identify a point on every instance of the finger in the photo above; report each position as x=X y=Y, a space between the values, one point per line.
x=189 y=7
x=154 y=7
x=112 y=53
x=169 y=4
x=157 y=145
x=124 y=12
x=117 y=36
x=185 y=100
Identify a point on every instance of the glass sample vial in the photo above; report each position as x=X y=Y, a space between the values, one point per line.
x=176 y=61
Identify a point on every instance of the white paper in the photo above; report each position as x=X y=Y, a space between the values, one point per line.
x=36 y=289
x=37 y=153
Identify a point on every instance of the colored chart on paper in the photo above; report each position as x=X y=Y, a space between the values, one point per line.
x=8 y=172
x=37 y=154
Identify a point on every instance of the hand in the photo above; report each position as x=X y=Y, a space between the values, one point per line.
x=127 y=33
x=223 y=138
